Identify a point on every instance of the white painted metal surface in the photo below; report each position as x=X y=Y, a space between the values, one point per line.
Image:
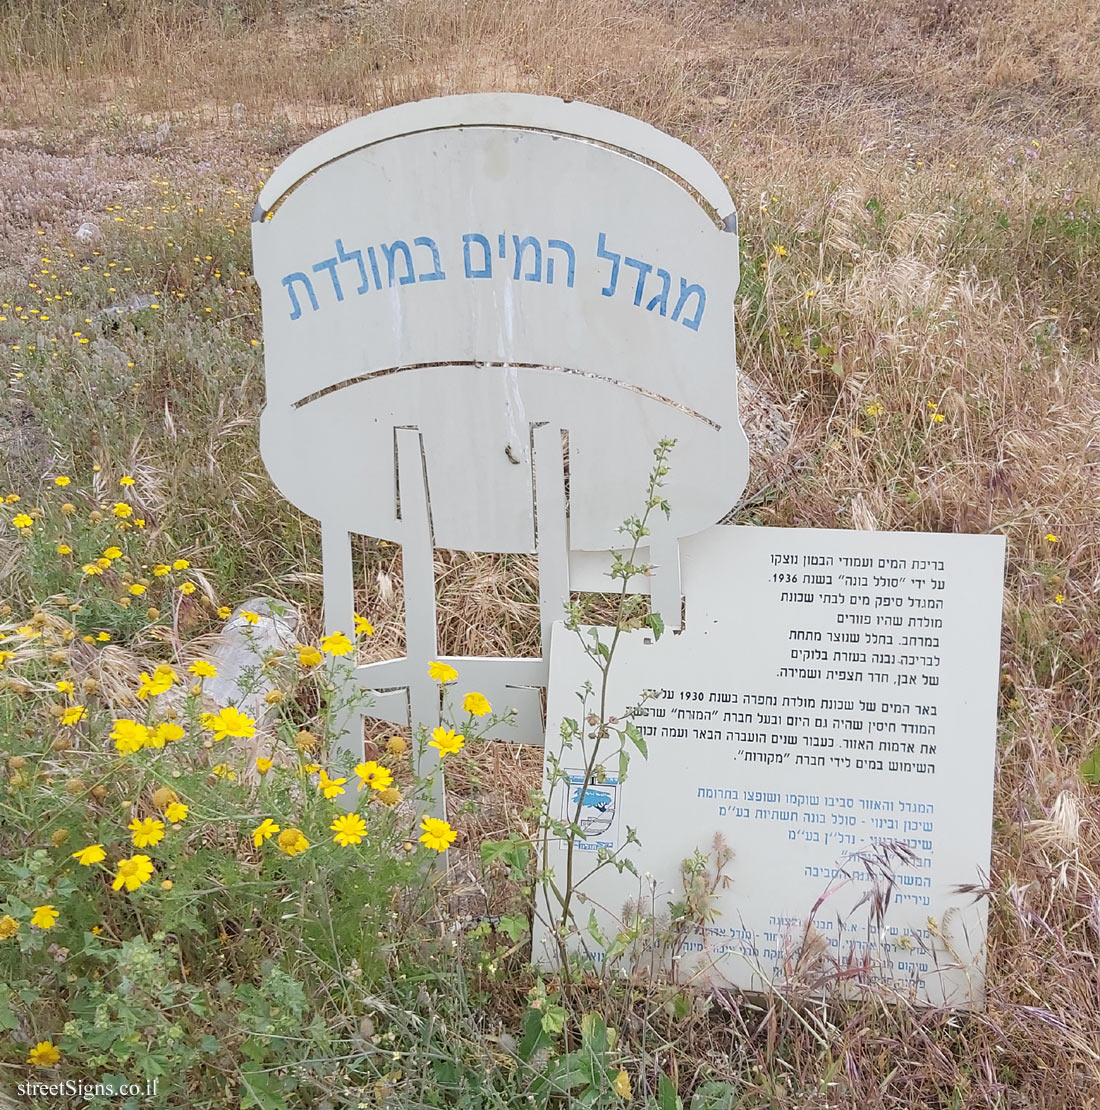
x=832 y=693
x=451 y=285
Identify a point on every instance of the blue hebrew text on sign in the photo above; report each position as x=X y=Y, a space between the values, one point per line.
x=521 y=258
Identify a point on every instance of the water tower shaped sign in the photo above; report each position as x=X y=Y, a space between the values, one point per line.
x=449 y=288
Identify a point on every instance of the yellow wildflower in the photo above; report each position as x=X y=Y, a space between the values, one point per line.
x=122 y=510
x=229 y=722
x=94 y=853
x=126 y=480
x=8 y=927
x=133 y=872
x=1052 y=538
x=476 y=704
x=224 y=612
x=265 y=829
x=331 y=788
x=147 y=832
x=73 y=714
x=161 y=680
x=137 y=589
x=160 y=570
x=437 y=835
x=263 y=764
x=374 y=775
x=187 y=588
x=442 y=672
x=363 y=627
x=203 y=669
x=44 y=917
x=180 y=564
x=336 y=644
x=44 y=1055
x=164 y=732
x=21 y=520
x=65 y=549
x=249 y=617
x=349 y=828
x=61 y=480
x=113 y=553
x=129 y=735
x=176 y=812
x=164 y=796
x=292 y=841
x=446 y=741
x=66 y=687
x=308 y=656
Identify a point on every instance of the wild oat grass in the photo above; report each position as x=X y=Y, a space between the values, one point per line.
x=919 y=192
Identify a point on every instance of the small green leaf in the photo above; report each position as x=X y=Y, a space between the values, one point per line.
x=513 y=925
x=1090 y=768
x=553 y=1019
x=667 y=1098
x=636 y=738
x=593 y=929
x=656 y=622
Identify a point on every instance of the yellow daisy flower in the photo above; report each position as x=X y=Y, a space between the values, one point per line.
x=133 y=872
x=265 y=829
x=437 y=835
x=446 y=741
x=349 y=828
x=94 y=853
x=442 y=672
x=44 y=917
x=146 y=832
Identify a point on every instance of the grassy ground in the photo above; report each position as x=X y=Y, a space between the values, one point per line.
x=919 y=191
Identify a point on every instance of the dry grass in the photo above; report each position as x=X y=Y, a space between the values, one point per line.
x=931 y=169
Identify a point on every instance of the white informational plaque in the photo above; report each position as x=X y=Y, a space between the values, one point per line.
x=829 y=708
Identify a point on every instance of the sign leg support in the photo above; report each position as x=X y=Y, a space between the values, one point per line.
x=418 y=574
x=346 y=723
x=548 y=472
